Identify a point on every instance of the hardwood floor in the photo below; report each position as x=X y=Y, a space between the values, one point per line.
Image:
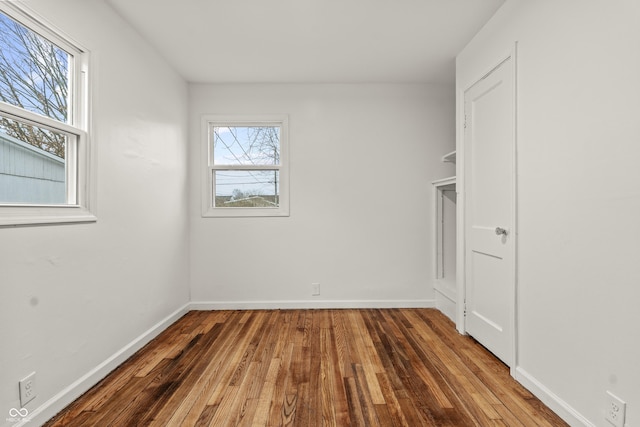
x=391 y=367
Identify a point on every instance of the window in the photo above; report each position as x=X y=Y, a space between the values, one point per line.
x=246 y=170
x=44 y=145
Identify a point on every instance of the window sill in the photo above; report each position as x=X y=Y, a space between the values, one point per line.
x=12 y=216
x=244 y=212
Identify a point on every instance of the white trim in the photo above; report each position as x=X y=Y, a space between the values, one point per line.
x=439 y=186
x=445 y=298
x=81 y=159
x=460 y=210
x=442 y=290
x=446 y=305
x=444 y=181
x=308 y=304
x=66 y=396
x=20 y=11
x=35 y=119
x=247 y=168
x=555 y=403
x=514 y=213
x=449 y=157
x=12 y=216
x=207 y=208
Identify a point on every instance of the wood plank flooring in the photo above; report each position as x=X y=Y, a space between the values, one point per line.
x=390 y=367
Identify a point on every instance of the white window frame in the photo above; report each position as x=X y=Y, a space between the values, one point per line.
x=80 y=205
x=208 y=168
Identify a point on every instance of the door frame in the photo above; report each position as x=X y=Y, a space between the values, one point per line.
x=461 y=196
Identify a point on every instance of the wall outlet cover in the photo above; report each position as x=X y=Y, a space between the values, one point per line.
x=315 y=289
x=27 y=389
x=615 y=410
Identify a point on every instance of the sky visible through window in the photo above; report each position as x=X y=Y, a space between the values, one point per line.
x=34 y=75
x=246 y=146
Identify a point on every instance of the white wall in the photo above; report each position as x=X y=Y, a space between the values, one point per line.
x=71 y=296
x=578 y=196
x=362 y=161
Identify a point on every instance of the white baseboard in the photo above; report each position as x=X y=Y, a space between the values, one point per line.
x=309 y=304
x=446 y=305
x=61 y=400
x=555 y=403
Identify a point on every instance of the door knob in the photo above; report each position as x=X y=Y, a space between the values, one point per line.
x=501 y=231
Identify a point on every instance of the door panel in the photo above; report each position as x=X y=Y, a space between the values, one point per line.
x=489 y=201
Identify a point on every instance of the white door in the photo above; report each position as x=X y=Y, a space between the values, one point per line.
x=489 y=144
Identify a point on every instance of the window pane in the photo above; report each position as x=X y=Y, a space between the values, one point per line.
x=247 y=189
x=246 y=145
x=32 y=164
x=34 y=73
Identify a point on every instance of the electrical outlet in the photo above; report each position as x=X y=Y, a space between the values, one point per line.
x=27 y=389
x=315 y=289
x=615 y=410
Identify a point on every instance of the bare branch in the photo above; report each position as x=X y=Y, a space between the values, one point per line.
x=33 y=76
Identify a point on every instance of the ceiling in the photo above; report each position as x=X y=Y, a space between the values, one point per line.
x=309 y=41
